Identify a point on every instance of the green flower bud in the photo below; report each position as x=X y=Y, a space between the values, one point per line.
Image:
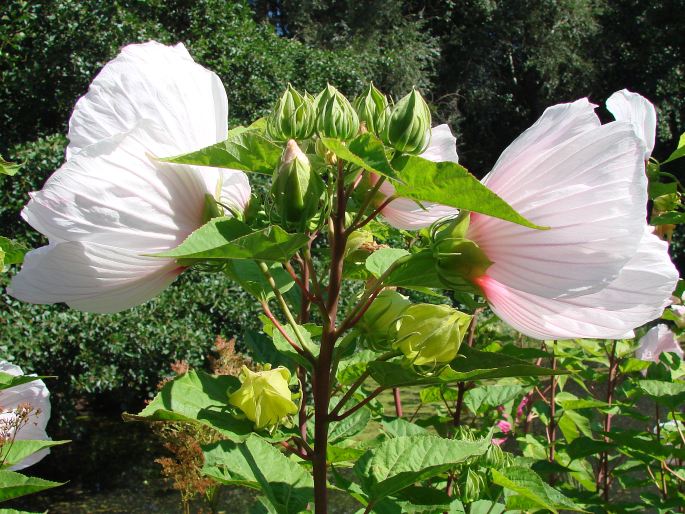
x=407 y=128
x=372 y=109
x=458 y=260
x=668 y=202
x=336 y=117
x=379 y=323
x=431 y=334
x=472 y=486
x=293 y=117
x=296 y=188
x=264 y=396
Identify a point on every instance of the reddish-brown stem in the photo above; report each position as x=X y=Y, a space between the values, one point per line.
x=552 y=414
x=371 y=216
x=307 y=297
x=603 y=475
x=346 y=397
x=361 y=404
x=285 y=334
x=398 y=401
x=357 y=314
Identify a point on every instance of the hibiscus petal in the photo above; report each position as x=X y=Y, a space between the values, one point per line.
x=156 y=82
x=91 y=277
x=592 y=192
x=657 y=340
x=639 y=294
x=114 y=193
x=443 y=145
x=636 y=109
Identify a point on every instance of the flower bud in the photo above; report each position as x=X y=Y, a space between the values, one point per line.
x=372 y=109
x=336 y=118
x=296 y=188
x=264 y=396
x=431 y=334
x=473 y=484
x=458 y=260
x=379 y=323
x=293 y=117
x=407 y=128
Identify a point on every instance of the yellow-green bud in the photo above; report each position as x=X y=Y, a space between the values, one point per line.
x=296 y=188
x=668 y=202
x=458 y=260
x=473 y=484
x=431 y=334
x=293 y=117
x=407 y=128
x=336 y=118
x=264 y=396
x=372 y=109
x=379 y=323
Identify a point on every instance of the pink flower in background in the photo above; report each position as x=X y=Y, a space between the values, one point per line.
x=504 y=427
x=406 y=214
x=111 y=202
x=31 y=400
x=657 y=340
x=598 y=272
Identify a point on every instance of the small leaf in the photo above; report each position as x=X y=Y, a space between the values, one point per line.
x=229 y=238
x=528 y=484
x=11 y=252
x=448 y=183
x=7 y=380
x=258 y=465
x=244 y=150
x=678 y=152
x=250 y=277
x=365 y=151
x=14 y=485
x=19 y=449
x=8 y=168
x=379 y=261
x=668 y=218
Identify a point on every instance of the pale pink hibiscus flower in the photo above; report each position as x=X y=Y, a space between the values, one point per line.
x=657 y=340
x=112 y=203
x=598 y=272
x=31 y=401
x=406 y=214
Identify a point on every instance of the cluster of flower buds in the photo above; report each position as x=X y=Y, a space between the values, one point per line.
x=264 y=396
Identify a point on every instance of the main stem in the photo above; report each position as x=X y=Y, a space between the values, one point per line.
x=322 y=370
x=603 y=475
x=553 y=413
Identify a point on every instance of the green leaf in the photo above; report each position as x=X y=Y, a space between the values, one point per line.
x=486 y=507
x=19 y=449
x=678 y=152
x=7 y=380
x=244 y=150
x=379 y=261
x=8 y=168
x=572 y=424
x=448 y=183
x=657 y=189
x=668 y=218
x=198 y=397
x=418 y=270
x=528 y=484
x=337 y=454
x=585 y=447
x=258 y=465
x=403 y=461
x=309 y=333
x=229 y=238
x=342 y=430
x=250 y=277
x=399 y=427
x=14 y=485
x=365 y=151
x=438 y=394
x=11 y=252
x=671 y=394
x=491 y=396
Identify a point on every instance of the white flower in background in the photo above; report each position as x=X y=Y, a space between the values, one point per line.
x=406 y=214
x=657 y=340
x=598 y=272
x=24 y=413
x=111 y=203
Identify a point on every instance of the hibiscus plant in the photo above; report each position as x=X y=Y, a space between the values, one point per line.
x=554 y=241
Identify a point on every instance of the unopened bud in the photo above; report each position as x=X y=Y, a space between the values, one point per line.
x=264 y=396
x=408 y=126
x=372 y=109
x=336 y=118
x=472 y=486
x=431 y=334
x=458 y=260
x=380 y=321
x=293 y=117
x=296 y=188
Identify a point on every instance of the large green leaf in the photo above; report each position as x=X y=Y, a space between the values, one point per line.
x=14 y=485
x=7 y=380
x=380 y=260
x=11 y=252
x=251 y=278
x=243 y=150
x=19 y=449
x=229 y=238
x=401 y=462
x=448 y=183
x=198 y=397
x=419 y=270
x=491 y=396
x=671 y=394
x=526 y=483
x=258 y=465
x=365 y=151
